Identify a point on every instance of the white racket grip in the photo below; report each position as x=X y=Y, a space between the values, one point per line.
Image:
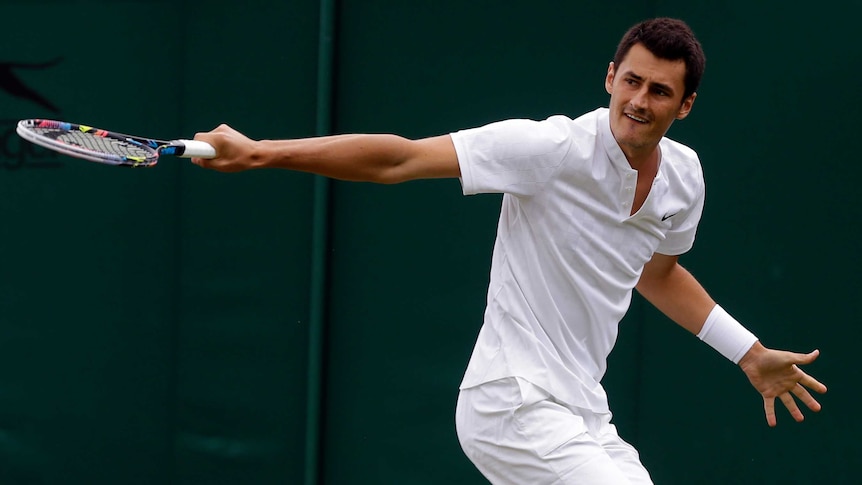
x=197 y=149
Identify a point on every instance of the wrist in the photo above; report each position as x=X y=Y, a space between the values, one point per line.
x=726 y=335
x=260 y=153
x=752 y=355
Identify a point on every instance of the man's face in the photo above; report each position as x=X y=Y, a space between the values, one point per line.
x=646 y=97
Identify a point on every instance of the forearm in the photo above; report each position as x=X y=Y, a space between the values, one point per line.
x=677 y=294
x=369 y=158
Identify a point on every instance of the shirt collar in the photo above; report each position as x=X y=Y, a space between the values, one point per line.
x=612 y=148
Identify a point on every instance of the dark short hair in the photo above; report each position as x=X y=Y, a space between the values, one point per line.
x=669 y=39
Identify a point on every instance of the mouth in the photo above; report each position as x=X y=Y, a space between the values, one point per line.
x=638 y=119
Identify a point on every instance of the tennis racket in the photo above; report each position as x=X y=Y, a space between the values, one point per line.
x=108 y=147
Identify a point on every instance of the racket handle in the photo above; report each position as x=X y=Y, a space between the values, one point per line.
x=197 y=149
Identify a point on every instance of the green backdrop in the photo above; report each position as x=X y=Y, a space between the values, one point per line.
x=179 y=326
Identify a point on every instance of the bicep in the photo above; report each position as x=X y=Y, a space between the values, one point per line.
x=660 y=266
x=426 y=158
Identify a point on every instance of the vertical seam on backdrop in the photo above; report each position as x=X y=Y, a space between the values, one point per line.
x=319 y=246
x=177 y=293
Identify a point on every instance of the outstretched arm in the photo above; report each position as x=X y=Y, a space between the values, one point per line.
x=369 y=158
x=773 y=373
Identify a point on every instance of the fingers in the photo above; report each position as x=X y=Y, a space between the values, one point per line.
x=211 y=137
x=787 y=399
x=222 y=128
x=803 y=395
x=812 y=383
x=791 y=406
x=208 y=137
x=769 y=407
x=805 y=379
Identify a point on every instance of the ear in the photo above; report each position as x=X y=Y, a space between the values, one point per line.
x=609 y=79
x=685 y=109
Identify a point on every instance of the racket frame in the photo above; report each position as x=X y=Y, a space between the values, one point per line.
x=151 y=146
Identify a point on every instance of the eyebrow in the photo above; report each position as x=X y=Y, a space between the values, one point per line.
x=661 y=86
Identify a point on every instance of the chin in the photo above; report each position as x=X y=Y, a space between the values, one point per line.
x=635 y=144
x=632 y=141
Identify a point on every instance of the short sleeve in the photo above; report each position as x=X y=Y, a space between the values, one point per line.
x=690 y=187
x=514 y=156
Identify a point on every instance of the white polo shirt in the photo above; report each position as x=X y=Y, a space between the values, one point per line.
x=568 y=253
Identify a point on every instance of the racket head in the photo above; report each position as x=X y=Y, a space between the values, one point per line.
x=88 y=143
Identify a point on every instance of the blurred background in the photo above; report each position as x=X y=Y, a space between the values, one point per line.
x=177 y=326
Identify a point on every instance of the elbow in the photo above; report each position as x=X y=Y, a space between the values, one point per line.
x=649 y=286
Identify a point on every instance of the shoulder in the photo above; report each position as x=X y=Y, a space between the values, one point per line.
x=680 y=159
x=586 y=125
x=556 y=127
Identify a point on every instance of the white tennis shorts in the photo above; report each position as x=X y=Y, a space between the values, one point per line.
x=516 y=433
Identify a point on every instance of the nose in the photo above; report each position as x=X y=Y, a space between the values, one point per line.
x=640 y=99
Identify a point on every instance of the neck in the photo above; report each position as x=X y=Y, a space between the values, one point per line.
x=642 y=159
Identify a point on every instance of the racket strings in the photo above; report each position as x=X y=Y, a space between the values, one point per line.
x=103 y=144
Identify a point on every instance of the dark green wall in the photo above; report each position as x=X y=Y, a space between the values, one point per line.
x=153 y=323
x=156 y=326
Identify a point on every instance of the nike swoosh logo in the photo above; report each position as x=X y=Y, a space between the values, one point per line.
x=666 y=217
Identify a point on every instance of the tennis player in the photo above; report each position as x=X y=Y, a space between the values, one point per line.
x=593 y=208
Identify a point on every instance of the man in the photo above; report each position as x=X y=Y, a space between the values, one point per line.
x=592 y=208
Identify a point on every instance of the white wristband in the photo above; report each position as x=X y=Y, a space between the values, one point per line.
x=726 y=335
